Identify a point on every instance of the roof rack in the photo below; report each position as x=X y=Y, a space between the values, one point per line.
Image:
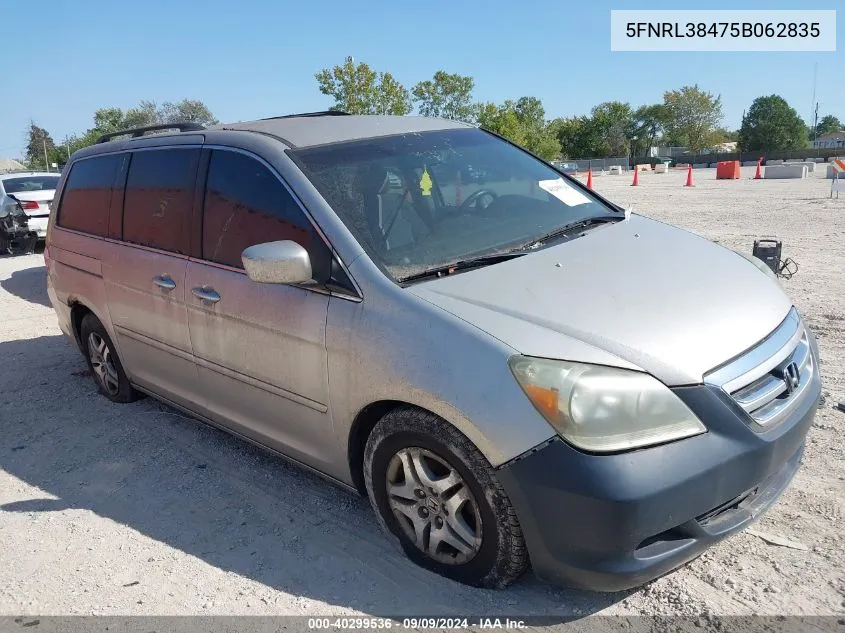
x=323 y=113
x=182 y=126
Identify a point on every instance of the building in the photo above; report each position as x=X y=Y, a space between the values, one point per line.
x=725 y=148
x=831 y=140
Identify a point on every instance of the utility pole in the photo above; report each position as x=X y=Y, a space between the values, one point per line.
x=816 y=124
x=815 y=79
x=44 y=145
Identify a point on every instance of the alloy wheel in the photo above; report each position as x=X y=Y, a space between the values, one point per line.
x=102 y=363
x=434 y=506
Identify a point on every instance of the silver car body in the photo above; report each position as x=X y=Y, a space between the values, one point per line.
x=304 y=371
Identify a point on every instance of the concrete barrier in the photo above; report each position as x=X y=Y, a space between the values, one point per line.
x=682 y=165
x=643 y=167
x=816 y=160
x=774 y=162
x=700 y=165
x=785 y=171
x=661 y=168
x=749 y=163
x=809 y=162
x=615 y=170
x=831 y=172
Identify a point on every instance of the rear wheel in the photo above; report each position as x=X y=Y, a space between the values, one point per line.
x=439 y=497
x=104 y=363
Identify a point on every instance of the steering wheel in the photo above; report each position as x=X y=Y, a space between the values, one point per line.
x=474 y=197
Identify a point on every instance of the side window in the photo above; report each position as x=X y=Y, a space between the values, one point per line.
x=246 y=204
x=159 y=196
x=87 y=194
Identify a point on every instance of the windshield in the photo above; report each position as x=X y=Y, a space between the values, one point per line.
x=23 y=184
x=420 y=201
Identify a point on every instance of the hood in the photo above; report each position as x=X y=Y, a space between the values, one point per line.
x=637 y=294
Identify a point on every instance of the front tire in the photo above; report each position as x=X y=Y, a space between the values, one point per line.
x=438 y=496
x=104 y=363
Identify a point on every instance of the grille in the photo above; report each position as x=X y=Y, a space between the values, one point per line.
x=771 y=379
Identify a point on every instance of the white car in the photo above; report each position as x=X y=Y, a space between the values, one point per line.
x=32 y=190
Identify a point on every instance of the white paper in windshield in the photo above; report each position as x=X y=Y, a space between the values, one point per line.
x=563 y=192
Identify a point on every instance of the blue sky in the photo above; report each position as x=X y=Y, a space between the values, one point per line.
x=254 y=58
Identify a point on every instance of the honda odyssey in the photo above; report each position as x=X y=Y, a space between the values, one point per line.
x=510 y=367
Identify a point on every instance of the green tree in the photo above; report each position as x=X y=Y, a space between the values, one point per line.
x=724 y=135
x=502 y=120
x=146 y=113
x=446 y=95
x=579 y=137
x=771 y=124
x=191 y=110
x=358 y=89
x=39 y=141
x=108 y=119
x=530 y=111
x=522 y=122
x=828 y=124
x=693 y=116
x=649 y=123
x=613 y=123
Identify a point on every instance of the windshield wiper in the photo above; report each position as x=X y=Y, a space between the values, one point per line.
x=464 y=264
x=567 y=229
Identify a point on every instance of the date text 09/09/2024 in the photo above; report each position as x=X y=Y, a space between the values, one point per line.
x=364 y=623
x=723 y=29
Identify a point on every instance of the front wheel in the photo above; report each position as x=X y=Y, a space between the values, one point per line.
x=439 y=497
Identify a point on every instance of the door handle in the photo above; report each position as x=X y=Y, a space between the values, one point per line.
x=207 y=294
x=164 y=282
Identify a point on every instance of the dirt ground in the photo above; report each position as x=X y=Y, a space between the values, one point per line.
x=133 y=509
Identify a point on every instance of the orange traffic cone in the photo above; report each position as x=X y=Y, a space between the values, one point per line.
x=590 y=178
x=689 y=182
x=636 y=176
x=759 y=173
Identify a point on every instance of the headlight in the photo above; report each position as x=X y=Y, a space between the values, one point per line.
x=604 y=409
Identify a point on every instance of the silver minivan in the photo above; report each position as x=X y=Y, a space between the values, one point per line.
x=514 y=371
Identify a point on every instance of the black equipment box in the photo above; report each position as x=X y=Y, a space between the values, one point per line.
x=768 y=251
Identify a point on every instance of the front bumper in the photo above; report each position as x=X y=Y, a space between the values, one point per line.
x=612 y=522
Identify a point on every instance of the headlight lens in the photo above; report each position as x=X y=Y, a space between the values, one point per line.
x=604 y=409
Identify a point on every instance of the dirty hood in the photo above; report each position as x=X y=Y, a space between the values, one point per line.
x=638 y=294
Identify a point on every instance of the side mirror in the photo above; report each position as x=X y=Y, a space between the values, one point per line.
x=283 y=262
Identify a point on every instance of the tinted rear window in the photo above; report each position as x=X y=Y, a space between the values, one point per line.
x=158 y=199
x=87 y=194
x=30 y=183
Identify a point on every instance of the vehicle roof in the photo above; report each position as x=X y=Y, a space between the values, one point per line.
x=18 y=174
x=294 y=131
x=307 y=131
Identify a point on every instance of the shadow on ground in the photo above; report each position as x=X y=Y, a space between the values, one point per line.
x=234 y=506
x=29 y=284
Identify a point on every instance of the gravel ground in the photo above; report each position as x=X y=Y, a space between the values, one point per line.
x=133 y=509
